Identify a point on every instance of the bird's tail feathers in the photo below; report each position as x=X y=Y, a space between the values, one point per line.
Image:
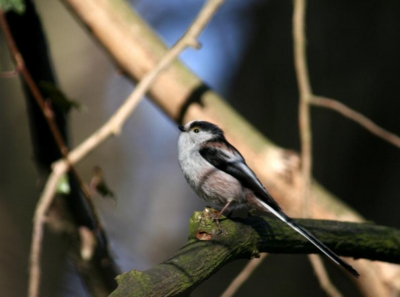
x=321 y=246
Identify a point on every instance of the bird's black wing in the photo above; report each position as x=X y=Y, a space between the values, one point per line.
x=231 y=162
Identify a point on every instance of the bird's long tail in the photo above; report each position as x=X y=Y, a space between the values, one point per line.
x=315 y=241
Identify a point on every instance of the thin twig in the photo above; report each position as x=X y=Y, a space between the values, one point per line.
x=323 y=276
x=356 y=117
x=300 y=59
x=39 y=217
x=243 y=276
x=45 y=108
x=20 y=65
x=49 y=116
x=305 y=95
x=111 y=127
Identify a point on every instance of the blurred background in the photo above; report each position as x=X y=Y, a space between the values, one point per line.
x=246 y=56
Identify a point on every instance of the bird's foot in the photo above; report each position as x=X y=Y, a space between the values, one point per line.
x=215 y=216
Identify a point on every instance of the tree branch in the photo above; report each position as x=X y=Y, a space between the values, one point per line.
x=357 y=117
x=246 y=238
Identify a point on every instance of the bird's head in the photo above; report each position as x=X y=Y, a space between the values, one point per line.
x=198 y=132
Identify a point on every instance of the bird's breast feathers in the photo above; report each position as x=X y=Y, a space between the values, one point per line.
x=210 y=183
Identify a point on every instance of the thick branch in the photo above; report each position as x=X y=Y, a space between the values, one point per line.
x=246 y=238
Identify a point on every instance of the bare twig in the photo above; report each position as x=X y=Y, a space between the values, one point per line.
x=48 y=114
x=356 y=117
x=300 y=59
x=45 y=108
x=323 y=276
x=20 y=65
x=38 y=220
x=243 y=276
x=112 y=127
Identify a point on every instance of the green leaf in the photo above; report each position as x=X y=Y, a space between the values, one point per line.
x=16 y=5
x=58 y=98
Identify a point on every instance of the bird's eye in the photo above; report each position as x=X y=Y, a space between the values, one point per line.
x=196 y=130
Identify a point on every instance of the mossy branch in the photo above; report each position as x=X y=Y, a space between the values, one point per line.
x=207 y=250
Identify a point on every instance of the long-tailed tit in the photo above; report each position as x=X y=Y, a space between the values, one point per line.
x=218 y=173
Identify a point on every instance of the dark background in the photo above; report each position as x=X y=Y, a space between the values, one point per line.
x=353 y=56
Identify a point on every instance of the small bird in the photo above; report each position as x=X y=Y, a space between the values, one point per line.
x=218 y=173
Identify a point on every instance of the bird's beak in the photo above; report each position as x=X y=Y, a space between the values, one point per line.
x=181 y=128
